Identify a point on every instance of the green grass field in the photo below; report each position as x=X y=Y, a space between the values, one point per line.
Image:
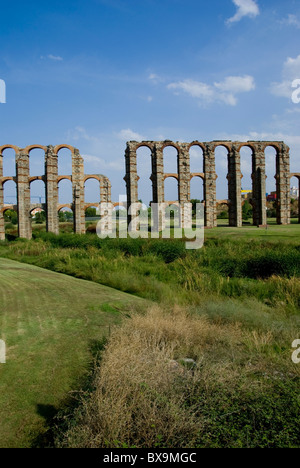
x=245 y=279
x=51 y=323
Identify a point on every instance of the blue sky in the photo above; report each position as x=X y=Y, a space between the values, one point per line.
x=97 y=73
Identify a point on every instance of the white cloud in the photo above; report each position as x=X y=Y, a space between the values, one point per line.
x=244 y=8
x=96 y=161
x=155 y=79
x=291 y=20
x=224 y=91
x=55 y=58
x=291 y=72
x=129 y=135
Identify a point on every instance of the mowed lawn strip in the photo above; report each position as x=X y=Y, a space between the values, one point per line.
x=49 y=322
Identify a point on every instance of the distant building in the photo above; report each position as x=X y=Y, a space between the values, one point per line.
x=272 y=196
x=246 y=194
x=36 y=211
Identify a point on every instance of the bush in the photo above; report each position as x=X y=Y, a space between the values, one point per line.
x=147 y=396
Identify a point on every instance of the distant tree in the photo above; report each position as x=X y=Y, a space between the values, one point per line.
x=90 y=212
x=11 y=216
x=61 y=217
x=223 y=215
x=194 y=203
x=40 y=217
x=69 y=215
x=247 y=211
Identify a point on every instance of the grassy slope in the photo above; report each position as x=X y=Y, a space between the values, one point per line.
x=49 y=322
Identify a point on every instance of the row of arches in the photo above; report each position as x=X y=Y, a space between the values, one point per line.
x=52 y=189
x=36 y=159
x=196 y=156
x=225 y=169
x=92 y=191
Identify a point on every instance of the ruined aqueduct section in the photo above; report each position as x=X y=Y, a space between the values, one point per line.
x=158 y=176
x=51 y=180
x=209 y=177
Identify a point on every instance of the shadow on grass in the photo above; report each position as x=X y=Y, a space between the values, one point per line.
x=57 y=419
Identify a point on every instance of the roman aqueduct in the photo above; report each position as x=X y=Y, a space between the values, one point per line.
x=184 y=176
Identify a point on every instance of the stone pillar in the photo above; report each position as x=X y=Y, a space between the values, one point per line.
x=23 y=195
x=158 y=184
x=259 y=186
x=234 y=188
x=2 y=227
x=298 y=177
x=78 y=192
x=184 y=176
x=210 y=194
x=283 y=183
x=105 y=191
x=51 y=172
x=131 y=177
x=158 y=174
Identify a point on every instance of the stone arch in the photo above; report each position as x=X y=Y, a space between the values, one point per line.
x=40 y=163
x=92 y=184
x=199 y=167
x=65 y=191
x=37 y=191
x=65 y=159
x=144 y=164
x=196 y=188
x=222 y=173
x=9 y=187
x=171 y=191
x=8 y=163
x=170 y=167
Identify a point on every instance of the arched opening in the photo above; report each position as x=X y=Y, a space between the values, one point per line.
x=92 y=191
x=170 y=156
x=246 y=154
x=37 y=202
x=9 y=162
x=92 y=216
x=38 y=218
x=172 y=216
x=120 y=218
x=144 y=171
x=37 y=192
x=10 y=192
x=11 y=221
x=222 y=213
x=66 y=220
x=221 y=158
x=295 y=212
x=196 y=159
x=271 y=186
x=65 y=192
x=36 y=162
x=171 y=189
x=197 y=189
x=64 y=156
